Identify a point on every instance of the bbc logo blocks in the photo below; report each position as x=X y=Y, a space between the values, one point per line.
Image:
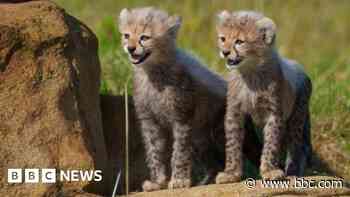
x=14 y=175
x=48 y=175
x=31 y=175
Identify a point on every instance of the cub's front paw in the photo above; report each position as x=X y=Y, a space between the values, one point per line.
x=149 y=186
x=179 y=183
x=224 y=177
x=273 y=174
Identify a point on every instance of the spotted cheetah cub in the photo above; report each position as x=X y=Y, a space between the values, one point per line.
x=174 y=95
x=274 y=91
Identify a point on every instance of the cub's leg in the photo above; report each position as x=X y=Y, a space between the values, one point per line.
x=269 y=167
x=234 y=134
x=155 y=147
x=181 y=160
x=299 y=146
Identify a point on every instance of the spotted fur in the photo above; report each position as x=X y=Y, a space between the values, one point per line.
x=273 y=90
x=178 y=101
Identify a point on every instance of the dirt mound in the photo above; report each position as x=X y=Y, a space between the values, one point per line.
x=49 y=104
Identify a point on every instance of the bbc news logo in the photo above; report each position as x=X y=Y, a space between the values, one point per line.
x=51 y=175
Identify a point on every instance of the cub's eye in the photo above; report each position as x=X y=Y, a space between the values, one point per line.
x=239 y=42
x=126 y=36
x=144 y=38
x=222 y=38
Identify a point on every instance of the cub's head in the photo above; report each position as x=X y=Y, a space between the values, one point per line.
x=244 y=37
x=147 y=34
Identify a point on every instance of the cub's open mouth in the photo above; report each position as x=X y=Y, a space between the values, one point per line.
x=231 y=63
x=138 y=59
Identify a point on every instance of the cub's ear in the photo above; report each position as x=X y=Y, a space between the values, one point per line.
x=223 y=16
x=268 y=28
x=174 y=24
x=123 y=18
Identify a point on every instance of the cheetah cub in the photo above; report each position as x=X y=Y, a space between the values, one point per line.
x=174 y=95
x=274 y=91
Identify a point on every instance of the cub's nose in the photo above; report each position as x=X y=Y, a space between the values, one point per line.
x=131 y=49
x=225 y=53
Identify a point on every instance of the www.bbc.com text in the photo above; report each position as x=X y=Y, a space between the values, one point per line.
x=298 y=183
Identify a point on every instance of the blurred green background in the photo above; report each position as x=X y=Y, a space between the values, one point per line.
x=315 y=32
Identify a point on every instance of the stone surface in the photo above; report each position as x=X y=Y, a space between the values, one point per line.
x=241 y=189
x=49 y=102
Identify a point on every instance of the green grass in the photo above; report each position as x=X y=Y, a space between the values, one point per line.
x=116 y=69
x=316 y=33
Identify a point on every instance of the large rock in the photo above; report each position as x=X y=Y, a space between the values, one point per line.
x=49 y=103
